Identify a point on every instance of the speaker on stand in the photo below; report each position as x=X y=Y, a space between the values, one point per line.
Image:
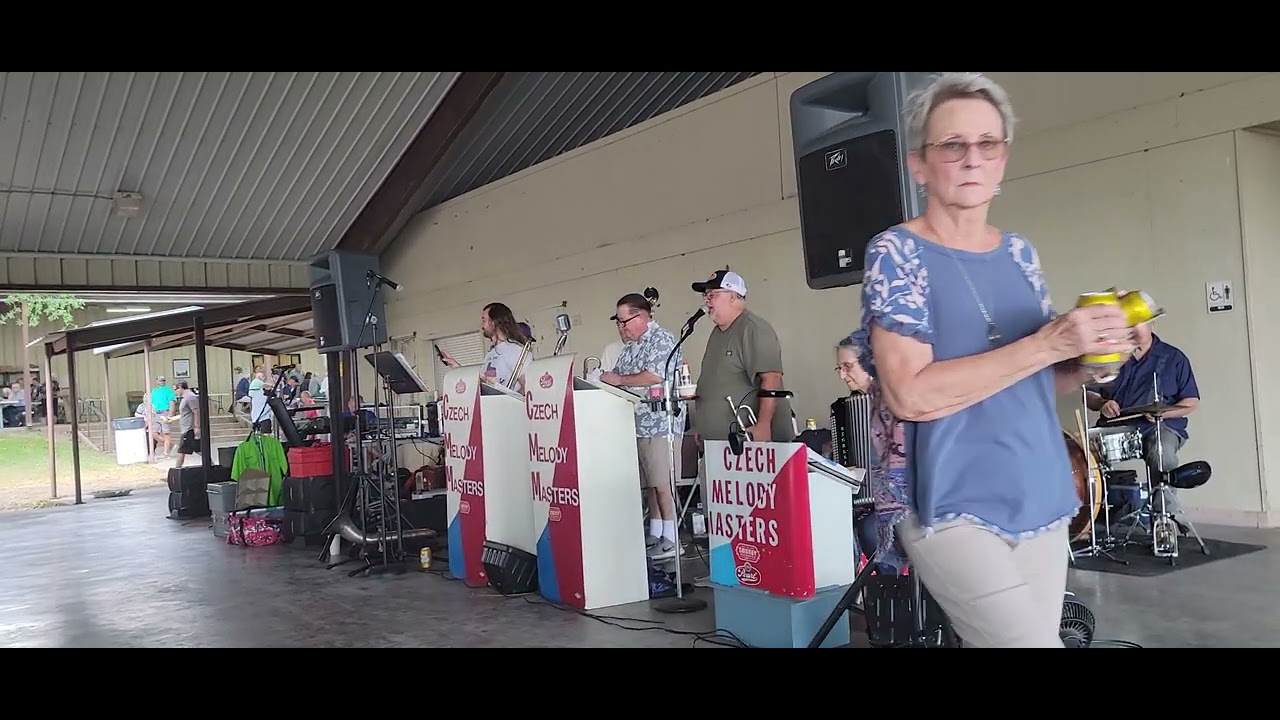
x=342 y=297
x=852 y=179
x=348 y=314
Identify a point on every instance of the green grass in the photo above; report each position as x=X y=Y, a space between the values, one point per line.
x=24 y=469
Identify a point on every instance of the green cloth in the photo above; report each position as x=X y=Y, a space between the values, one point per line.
x=265 y=453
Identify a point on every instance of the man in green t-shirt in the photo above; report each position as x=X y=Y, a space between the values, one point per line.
x=742 y=354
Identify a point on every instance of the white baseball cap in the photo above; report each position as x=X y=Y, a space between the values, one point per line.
x=723 y=280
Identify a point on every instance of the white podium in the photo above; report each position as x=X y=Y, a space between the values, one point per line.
x=486 y=473
x=585 y=479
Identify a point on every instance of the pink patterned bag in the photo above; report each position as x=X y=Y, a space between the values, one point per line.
x=255 y=528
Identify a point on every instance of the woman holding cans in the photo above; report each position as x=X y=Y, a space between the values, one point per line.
x=972 y=476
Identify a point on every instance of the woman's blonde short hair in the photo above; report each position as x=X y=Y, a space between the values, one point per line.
x=951 y=86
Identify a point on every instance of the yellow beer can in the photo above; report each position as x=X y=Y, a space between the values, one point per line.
x=1138 y=307
x=1105 y=297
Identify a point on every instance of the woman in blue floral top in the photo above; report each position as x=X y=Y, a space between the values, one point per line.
x=972 y=477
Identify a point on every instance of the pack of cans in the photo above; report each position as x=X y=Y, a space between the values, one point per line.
x=1138 y=308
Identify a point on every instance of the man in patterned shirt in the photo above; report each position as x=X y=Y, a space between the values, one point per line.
x=643 y=364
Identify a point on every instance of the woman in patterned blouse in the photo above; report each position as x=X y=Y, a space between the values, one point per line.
x=971 y=474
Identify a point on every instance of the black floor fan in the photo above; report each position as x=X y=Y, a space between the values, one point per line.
x=1078 y=624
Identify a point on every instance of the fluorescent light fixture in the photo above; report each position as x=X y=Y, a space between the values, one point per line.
x=128 y=309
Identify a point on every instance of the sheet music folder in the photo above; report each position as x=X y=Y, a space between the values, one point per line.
x=393 y=368
x=853 y=477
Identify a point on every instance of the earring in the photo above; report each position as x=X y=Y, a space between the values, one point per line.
x=922 y=190
x=998 y=191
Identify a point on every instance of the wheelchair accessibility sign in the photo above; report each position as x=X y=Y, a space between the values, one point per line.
x=1219 y=297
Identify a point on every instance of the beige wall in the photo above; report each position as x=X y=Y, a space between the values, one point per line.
x=662 y=204
x=127 y=372
x=1165 y=221
x=1133 y=183
x=1259 y=173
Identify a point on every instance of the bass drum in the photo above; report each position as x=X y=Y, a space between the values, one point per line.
x=1081 y=470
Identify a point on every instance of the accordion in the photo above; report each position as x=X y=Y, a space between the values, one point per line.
x=851 y=436
x=851 y=430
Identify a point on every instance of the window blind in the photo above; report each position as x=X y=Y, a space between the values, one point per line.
x=467 y=349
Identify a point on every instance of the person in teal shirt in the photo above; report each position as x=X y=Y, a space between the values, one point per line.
x=161 y=399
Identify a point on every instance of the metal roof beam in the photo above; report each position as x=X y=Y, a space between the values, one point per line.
x=394 y=200
x=91 y=337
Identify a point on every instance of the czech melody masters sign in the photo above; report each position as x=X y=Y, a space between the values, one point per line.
x=464 y=474
x=553 y=477
x=759 y=517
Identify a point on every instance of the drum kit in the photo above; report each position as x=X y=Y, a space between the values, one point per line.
x=1094 y=467
x=1098 y=452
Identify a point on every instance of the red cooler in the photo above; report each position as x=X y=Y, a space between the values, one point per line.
x=314 y=461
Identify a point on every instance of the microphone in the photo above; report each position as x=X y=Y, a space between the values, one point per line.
x=693 y=319
x=370 y=276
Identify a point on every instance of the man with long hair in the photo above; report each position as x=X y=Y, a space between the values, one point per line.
x=505 y=342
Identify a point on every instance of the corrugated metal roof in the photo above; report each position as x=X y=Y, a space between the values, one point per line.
x=232 y=165
x=532 y=117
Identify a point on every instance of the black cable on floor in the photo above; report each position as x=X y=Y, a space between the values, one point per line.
x=723 y=638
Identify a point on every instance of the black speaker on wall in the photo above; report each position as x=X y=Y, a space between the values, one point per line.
x=852 y=180
x=342 y=297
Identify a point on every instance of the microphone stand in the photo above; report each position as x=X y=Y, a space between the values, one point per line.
x=671 y=403
x=359 y=495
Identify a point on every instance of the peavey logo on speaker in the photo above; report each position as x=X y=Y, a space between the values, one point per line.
x=837 y=159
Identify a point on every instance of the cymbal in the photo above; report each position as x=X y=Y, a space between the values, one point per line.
x=1154 y=409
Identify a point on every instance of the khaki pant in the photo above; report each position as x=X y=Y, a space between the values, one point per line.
x=655 y=463
x=997 y=594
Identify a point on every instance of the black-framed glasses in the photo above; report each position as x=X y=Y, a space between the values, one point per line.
x=622 y=322
x=955 y=150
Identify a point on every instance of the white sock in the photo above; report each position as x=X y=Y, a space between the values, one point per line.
x=669 y=530
x=655 y=528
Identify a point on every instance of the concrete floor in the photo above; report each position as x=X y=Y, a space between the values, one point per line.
x=117 y=573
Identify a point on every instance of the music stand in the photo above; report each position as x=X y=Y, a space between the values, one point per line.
x=399 y=376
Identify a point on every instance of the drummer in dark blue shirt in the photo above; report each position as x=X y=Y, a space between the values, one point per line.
x=1154 y=364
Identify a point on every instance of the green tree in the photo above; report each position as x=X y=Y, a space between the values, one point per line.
x=57 y=309
x=30 y=309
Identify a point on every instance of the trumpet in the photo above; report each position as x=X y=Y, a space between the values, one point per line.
x=585 y=371
x=746 y=421
x=518 y=368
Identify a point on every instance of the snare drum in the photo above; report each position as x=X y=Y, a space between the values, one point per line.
x=1118 y=447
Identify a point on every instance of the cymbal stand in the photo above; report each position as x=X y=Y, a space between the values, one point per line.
x=1094 y=548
